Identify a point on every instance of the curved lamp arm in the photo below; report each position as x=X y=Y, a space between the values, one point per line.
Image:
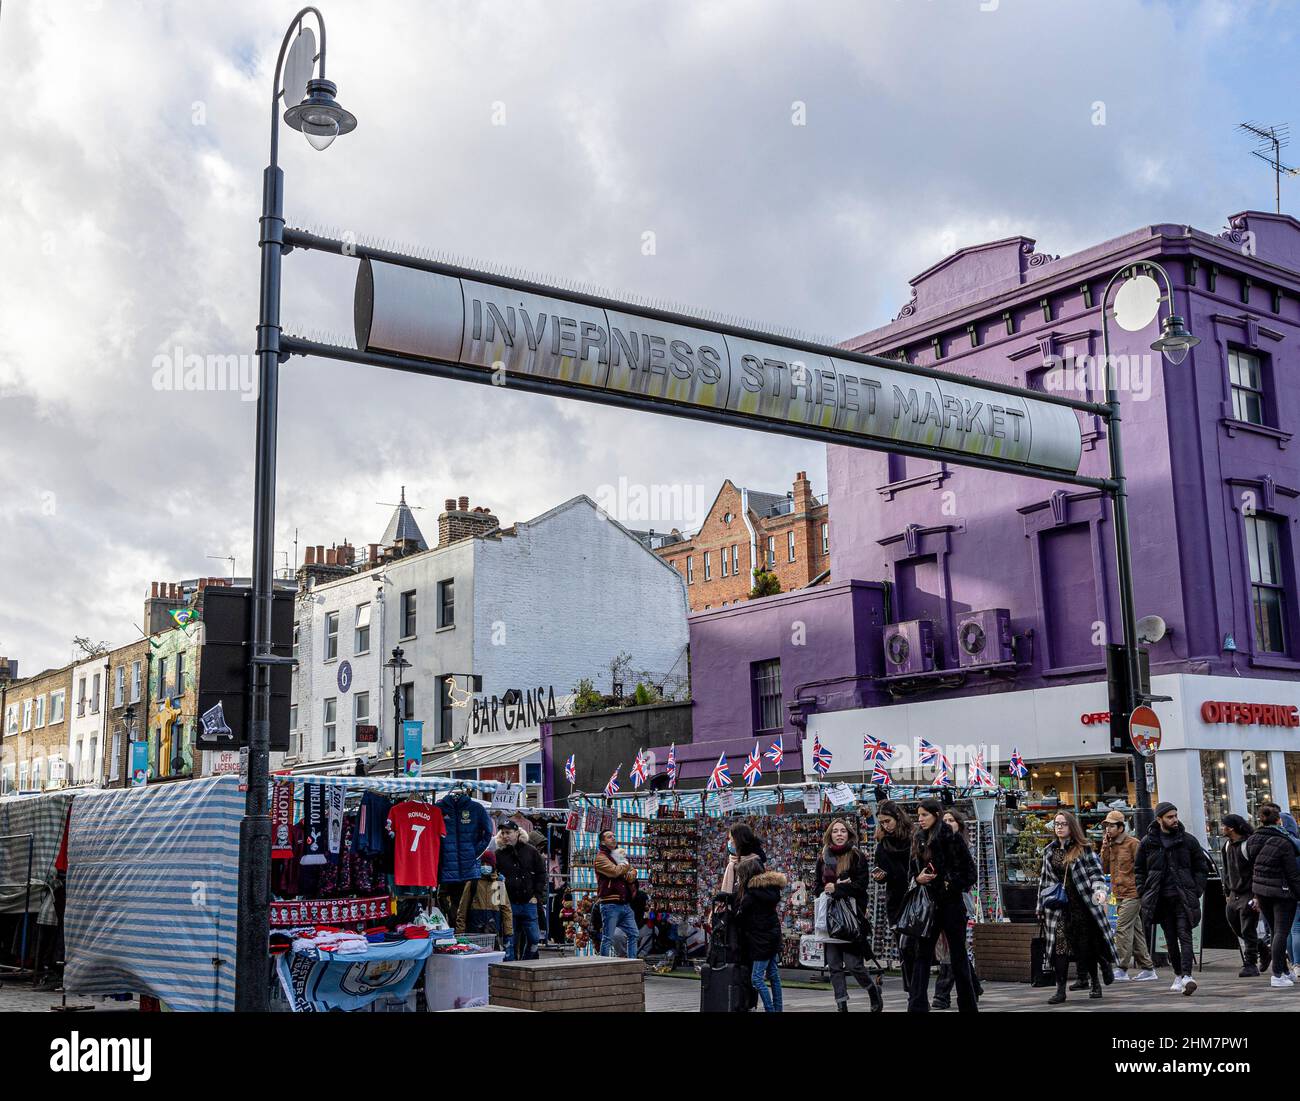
x=276 y=91
x=1167 y=297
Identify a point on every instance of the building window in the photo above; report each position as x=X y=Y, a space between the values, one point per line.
x=1267 y=588
x=162 y=679
x=295 y=640
x=708 y=567
x=115 y=762
x=22 y=777
x=767 y=696
x=771 y=551
x=1218 y=800
x=735 y=559
x=27 y=714
x=11 y=719
x=789 y=545
x=361 y=635
x=331 y=724
x=94 y=695
x=331 y=635
x=690 y=569
x=178 y=686
x=7 y=784
x=408 y=614
x=447 y=603
x=119 y=686
x=1258 y=782
x=360 y=712
x=1244 y=370
x=58 y=703
x=723 y=558
x=81 y=696
x=39 y=719
x=36 y=775
x=826 y=539
x=444 y=709
x=135 y=682
x=408 y=701
x=295 y=736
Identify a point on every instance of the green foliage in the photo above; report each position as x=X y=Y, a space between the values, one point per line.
x=586 y=698
x=766 y=583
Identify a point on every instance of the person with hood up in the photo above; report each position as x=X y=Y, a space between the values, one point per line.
x=758 y=894
x=843 y=869
x=1239 y=906
x=1072 y=907
x=1275 y=883
x=523 y=871
x=484 y=905
x=1171 y=871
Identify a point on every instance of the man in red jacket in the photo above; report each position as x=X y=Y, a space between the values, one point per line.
x=615 y=889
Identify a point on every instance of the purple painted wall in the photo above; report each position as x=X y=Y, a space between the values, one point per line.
x=951 y=539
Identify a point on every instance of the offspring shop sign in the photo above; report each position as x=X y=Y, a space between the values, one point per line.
x=1250 y=714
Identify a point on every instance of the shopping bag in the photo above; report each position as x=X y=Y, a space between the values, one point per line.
x=917 y=917
x=821 y=920
x=842 y=920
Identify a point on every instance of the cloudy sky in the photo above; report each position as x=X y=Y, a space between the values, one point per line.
x=552 y=135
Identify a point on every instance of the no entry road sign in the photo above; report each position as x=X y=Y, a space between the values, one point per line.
x=1144 y=731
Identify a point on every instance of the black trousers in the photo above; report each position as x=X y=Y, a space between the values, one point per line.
x=918 y=958
x=1244 y=923
x=1172 y=917
x=1279 y=913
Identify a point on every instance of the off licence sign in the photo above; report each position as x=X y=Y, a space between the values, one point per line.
x=1144 y=731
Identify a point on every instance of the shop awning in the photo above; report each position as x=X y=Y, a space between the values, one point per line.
x=482 y=756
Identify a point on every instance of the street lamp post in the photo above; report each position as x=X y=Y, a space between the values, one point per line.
x=320 y=119
x=1174 y=343
x=398 y=664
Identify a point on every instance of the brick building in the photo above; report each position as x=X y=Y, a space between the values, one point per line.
x=787 y=534
x=35 y=717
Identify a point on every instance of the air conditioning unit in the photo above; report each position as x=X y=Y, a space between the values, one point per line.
x=909 y=647
x=984 y=638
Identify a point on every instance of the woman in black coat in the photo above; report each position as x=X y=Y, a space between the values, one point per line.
x=1275 y=883
x=893 y=856
x=758 y=895
x=842 y=869
x=943 y=866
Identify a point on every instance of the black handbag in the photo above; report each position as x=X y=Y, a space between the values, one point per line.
x=842 y=919
x=917 y=917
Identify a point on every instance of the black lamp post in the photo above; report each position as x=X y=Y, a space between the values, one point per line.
x=398 y=664
x=1174 y=343
x=320 y=119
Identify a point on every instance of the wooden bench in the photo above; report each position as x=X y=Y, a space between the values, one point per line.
x=575 y=984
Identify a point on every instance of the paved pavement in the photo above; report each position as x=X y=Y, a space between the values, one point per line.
x=1218 y=989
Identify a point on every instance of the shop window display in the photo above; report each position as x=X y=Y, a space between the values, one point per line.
x=1259 y=783
x=1291 y=762
x=1218 y=802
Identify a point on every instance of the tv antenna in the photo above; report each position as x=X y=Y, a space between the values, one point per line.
x=400 y=503
x=1272 y=140
x=225 y=558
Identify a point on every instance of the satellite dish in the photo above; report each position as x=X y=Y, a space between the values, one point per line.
x=1137 y=303
x=1151 y=628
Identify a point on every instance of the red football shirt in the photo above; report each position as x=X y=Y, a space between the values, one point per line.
x=417 y=830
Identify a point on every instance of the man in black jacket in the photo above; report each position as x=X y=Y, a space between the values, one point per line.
x=524 y=871
x=1240 y=907
x=1275 y=883
x=1171 y=871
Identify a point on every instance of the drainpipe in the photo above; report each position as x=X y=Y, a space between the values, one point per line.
x=753 y=535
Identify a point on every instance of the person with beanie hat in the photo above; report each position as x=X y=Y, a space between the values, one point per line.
x=484 y=905
x=1238 y=903
x=1118 y=853
x=1171 y=871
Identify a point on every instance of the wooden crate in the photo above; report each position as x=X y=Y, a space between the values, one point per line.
x=1002 y=951
x=577 y=984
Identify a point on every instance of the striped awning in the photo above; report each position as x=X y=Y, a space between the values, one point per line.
x=481 y=756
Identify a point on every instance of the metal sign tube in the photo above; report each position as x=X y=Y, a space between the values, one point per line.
x=405 y=311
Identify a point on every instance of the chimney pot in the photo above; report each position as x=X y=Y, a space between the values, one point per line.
x=449 y=504
x=153 y=595
x=310 y=560
x=464 y=504
x=320 y=554
x=330 y=557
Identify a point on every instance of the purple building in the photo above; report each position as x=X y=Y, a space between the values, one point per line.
x=936 y=550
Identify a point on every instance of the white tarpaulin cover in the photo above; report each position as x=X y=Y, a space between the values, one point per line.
x=152 y=893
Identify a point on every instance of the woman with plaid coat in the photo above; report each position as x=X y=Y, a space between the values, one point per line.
x=1072 y=907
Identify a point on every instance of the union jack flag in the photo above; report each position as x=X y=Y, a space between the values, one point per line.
x=880 y=774
x=571 y=769
x=753 y=767
x=930 y=753
x=979 y=775
x=775 y=753
x=720 y=777
x=611 y=789
x=873 y=749
x=821 y=757
x=1018 y=763
x=944 y=779
x=672 y=765
x=638 y=773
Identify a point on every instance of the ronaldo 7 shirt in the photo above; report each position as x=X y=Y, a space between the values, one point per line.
x=417 y=830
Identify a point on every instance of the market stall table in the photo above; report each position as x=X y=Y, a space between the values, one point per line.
x=316 y=981
x=458 y=980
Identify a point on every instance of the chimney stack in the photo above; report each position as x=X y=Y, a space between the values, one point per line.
x=459 y=521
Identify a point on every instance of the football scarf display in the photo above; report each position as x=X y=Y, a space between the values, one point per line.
x=314 y=824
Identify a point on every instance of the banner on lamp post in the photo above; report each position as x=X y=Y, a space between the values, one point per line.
x=413 y=745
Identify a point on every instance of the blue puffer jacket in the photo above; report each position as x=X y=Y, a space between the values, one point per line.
x=469 y=829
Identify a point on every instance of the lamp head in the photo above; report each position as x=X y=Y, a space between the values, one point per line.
x=319 y=116
x=1175 y=341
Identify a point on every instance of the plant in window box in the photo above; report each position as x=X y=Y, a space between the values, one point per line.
x=1035 y=834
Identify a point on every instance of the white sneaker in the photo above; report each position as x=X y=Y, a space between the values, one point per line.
x=1177 y=988
x=1145 y=975
x=1121 y=975
x=1282 y=980
x=1189 y=986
